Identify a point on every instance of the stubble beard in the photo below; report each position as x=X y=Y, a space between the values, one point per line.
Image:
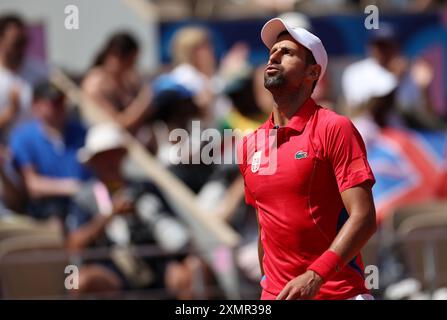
x=275 y=81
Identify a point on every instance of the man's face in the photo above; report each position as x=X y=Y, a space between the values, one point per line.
x=51 y=111
x=204 y=58
x=287 y=64
x=13 y=44
x=127 y=62
x=107 y=165
x=384 y=51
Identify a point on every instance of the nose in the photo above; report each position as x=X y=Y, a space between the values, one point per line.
x=275 y=57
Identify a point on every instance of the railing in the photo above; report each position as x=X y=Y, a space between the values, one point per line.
x=65 y=258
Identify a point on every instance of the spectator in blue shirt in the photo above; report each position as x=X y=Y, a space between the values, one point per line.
x=44 y=154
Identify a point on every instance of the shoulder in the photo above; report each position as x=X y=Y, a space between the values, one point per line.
x=28 y=129
x=329 y=120
x=95 y=79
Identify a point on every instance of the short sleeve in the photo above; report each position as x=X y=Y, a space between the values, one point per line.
x=21 y=150
x=346 y=152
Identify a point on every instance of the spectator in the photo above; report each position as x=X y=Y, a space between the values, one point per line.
x=44 y=153
x=110 y=210
x=17 y=77
x=114 y=84
x=376 y=76
x=17 y=74
x=386 y=73
x=195 y=64
x=174 y=107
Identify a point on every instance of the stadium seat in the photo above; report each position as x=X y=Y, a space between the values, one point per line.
x=423 y=239
x=32 y=260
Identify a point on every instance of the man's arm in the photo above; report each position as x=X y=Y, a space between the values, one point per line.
x=260 y=247
x=83 y=236
x=10 y=111
x=89 y=232
x=360 y=226
x=40 y=186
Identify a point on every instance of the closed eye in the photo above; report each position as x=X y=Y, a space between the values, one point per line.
x=283 y=50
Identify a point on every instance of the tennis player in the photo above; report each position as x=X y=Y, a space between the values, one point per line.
x=315 y=210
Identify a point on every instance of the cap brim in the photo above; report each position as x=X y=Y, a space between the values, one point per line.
x=83 y=155
x=271 y=30
x=273 y=27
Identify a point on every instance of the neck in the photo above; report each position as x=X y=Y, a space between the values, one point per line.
x=286 y=105
x=8 y=65
x=113 y=183
x=53 y=129
x=112 y=70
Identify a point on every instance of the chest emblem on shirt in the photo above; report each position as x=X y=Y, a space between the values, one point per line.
x=256 y=162
x=300 y=155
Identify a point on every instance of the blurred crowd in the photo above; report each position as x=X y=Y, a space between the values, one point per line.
x=57 y=170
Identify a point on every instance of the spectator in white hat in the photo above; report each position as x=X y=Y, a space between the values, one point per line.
x=112 y=211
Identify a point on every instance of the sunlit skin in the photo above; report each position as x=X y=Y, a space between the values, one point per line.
x=289 y=78
x=204 y=59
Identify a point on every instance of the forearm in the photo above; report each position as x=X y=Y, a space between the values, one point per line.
x=40 y=187
x=85 y=235
x=359 y=227
x=134 y=114
x=353 y=236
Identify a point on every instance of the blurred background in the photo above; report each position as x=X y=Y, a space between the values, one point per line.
x=91 y=203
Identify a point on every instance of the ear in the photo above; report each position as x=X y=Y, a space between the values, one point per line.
x=313 y=72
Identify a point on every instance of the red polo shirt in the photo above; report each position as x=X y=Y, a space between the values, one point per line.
x=296 y=192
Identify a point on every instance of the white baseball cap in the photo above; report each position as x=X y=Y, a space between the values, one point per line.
x=101 y=137
x=275 y=26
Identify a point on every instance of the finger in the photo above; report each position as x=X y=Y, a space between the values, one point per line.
x=308 y=295
x=284 y=293
x=293 y=295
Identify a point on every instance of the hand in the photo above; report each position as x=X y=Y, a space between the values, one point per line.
x=72 y=186
x=305 y=287
x=422 y=73
x=122 y=204
x=235 y=60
